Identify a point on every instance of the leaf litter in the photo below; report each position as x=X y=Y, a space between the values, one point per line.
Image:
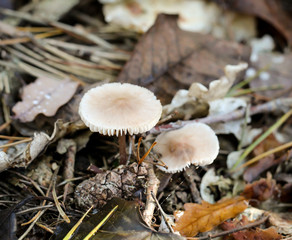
x=43 y=96
x=236 y=80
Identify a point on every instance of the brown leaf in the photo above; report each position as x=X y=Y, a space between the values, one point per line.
x=261 y=190
x=203 y=217
x=43 y=96
x=250 y=234
x=252 y=172
x=167 y=58
x=276 y=12
x=269 y=143
x=277 y=74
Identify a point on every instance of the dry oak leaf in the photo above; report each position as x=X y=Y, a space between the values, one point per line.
x=45 y=96
x=250 y=234
x=167 y=59
x=203 y=217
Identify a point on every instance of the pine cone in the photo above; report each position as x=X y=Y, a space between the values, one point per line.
x=122 y=181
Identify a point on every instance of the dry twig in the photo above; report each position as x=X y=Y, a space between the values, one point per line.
x=254 y=224
x=69 y=168
x=152 y=187
x=263 y=108
x=162 y=213
x=190 y=175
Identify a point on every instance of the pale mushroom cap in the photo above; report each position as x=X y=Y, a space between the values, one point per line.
x=115 y=108
x=195 y=143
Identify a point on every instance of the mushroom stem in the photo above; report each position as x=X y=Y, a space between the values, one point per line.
x=122 y=146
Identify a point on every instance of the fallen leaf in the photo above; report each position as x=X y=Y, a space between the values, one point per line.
x=203 y=217
x=208 y=179
x=184 y=107
x=8 y=219
x=261 y=190
x=252 y=172
x=25 y=155
x=276 y=74
x=41 y=171
x=8 y=224
x=282 y=221
x=217 y=88
x=264 y=164
x=224 y=106
x=44 y=96
x=125 y=223
x=273 y=11
x=250 y=234
x=167 y=59
x=269 y=143
x=29 y=152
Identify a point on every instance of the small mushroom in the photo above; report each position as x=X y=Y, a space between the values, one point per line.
x=118 y=109
x=195 y=143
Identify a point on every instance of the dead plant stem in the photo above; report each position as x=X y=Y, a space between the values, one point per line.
x=152 y=187
x=262 y=108
x=15 y=143
x=69 y=168
x=162 y=213
x=190 y=176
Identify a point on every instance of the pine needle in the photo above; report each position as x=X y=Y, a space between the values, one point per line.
x=100 y=224
x=15 y=143
x=73 y=229
x=274 y=150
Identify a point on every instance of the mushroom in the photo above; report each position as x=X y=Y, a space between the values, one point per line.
x=118 y=109
x=195 y=143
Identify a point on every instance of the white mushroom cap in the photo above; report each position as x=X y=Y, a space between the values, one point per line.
x=195 y=143
x=115 y=108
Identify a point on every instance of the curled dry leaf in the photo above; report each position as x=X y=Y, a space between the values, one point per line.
x=251 y=234
x=33 y=149
x=27 y=154
x=44 y=96
x=184 y=107
x=261 y=190
x=208 y=179
x=203 y=217
x=218 y=88
x=176 y=58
